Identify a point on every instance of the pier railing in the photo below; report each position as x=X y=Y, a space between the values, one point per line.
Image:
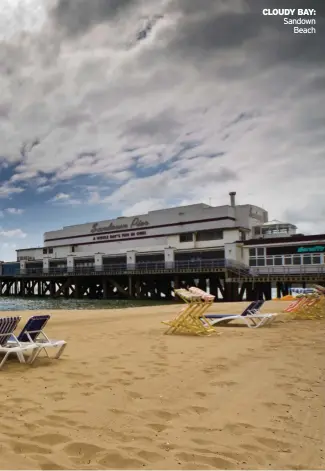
x=237 y=269
x=123 y=268
x=288 y=270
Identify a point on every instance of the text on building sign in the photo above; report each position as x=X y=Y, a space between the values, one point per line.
x=135 y=224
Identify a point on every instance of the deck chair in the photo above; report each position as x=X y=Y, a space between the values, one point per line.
x=253 y=307
x=250 y=316
x=191 y=319
x=33 y=333
x=9 y=343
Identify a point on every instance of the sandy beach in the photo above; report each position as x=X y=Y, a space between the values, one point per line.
x=126 y=396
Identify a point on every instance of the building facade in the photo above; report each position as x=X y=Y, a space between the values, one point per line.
x=190 y=232
x=289 y=251
x=240 y=233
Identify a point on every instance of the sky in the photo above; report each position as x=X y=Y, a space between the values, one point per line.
x=119 y=107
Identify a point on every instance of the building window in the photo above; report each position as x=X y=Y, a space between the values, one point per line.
x=306 y=259
x=269 y=261
x=287 y=260
x=252 y=252
x=44 y=251
x=50 y=250
x=242 y=235
x=278 y=260
x=73 y=248
x=261 y=262
x=187 y=237
x=252 y=262
x=260 y=252
x=204 y=236
x=296 y=259
x=316 y=258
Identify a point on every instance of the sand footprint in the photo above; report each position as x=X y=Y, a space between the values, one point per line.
x=150 y=456
x=51 y=439
x=198 y=410
x=238 y=428
x=83 y=452
x=202 y=441
x=116 y=460
x=274 y=444
x=162 y=414
x=216 y=461
x=201 y=394
x=27 y=448
x=223 y=384
x=45 y=463
x=134 y=395
x=157 y=427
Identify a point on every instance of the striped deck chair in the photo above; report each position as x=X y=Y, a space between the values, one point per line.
x=33 y=333
x=295 y=304
x=9 y=343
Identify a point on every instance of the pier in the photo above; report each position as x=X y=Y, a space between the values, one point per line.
x=228 y=280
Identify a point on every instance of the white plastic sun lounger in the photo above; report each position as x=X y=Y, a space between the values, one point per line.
x=10 y=344
x=33 y=333
x=252 y=321
x=250 y=316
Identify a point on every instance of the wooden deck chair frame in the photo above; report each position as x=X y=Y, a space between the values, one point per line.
x=189 y=320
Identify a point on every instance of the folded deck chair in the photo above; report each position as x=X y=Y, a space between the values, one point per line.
x=33 y=333
x=251 y=316
x=9 y=342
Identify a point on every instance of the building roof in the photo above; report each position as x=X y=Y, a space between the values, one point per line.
x=276 y=222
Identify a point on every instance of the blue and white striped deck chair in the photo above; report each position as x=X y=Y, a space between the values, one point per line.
x=33 y=333
x=9 y=343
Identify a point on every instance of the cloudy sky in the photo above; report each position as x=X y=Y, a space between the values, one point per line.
x=117 y=107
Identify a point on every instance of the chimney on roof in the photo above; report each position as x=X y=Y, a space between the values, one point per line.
x=232 y=195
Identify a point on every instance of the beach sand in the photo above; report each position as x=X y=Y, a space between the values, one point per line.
x=125 y=396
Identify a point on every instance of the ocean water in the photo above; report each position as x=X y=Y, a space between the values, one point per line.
x=26 y=304
x=11 y=303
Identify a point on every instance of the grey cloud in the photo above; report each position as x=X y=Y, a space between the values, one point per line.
x=164 y=126
x=210 y=34
x=76 y=17
x=97 y=93
x=268 y=41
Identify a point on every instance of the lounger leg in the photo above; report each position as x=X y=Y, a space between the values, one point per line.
x=21 y=357
x=46 y=352
x=61 y=350
x=34 y=355
x=4 y=359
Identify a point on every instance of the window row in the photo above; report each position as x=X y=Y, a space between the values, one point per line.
x=286 y=260
x=202 y=236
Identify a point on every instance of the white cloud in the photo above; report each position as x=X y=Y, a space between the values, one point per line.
x=43 y=189
x=14 y=211
x=7 y=190
x=61 y=197
x=19 y=233
x=144 y=206
x=64 y=199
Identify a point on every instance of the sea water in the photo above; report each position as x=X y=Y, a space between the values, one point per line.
x=28 y=304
